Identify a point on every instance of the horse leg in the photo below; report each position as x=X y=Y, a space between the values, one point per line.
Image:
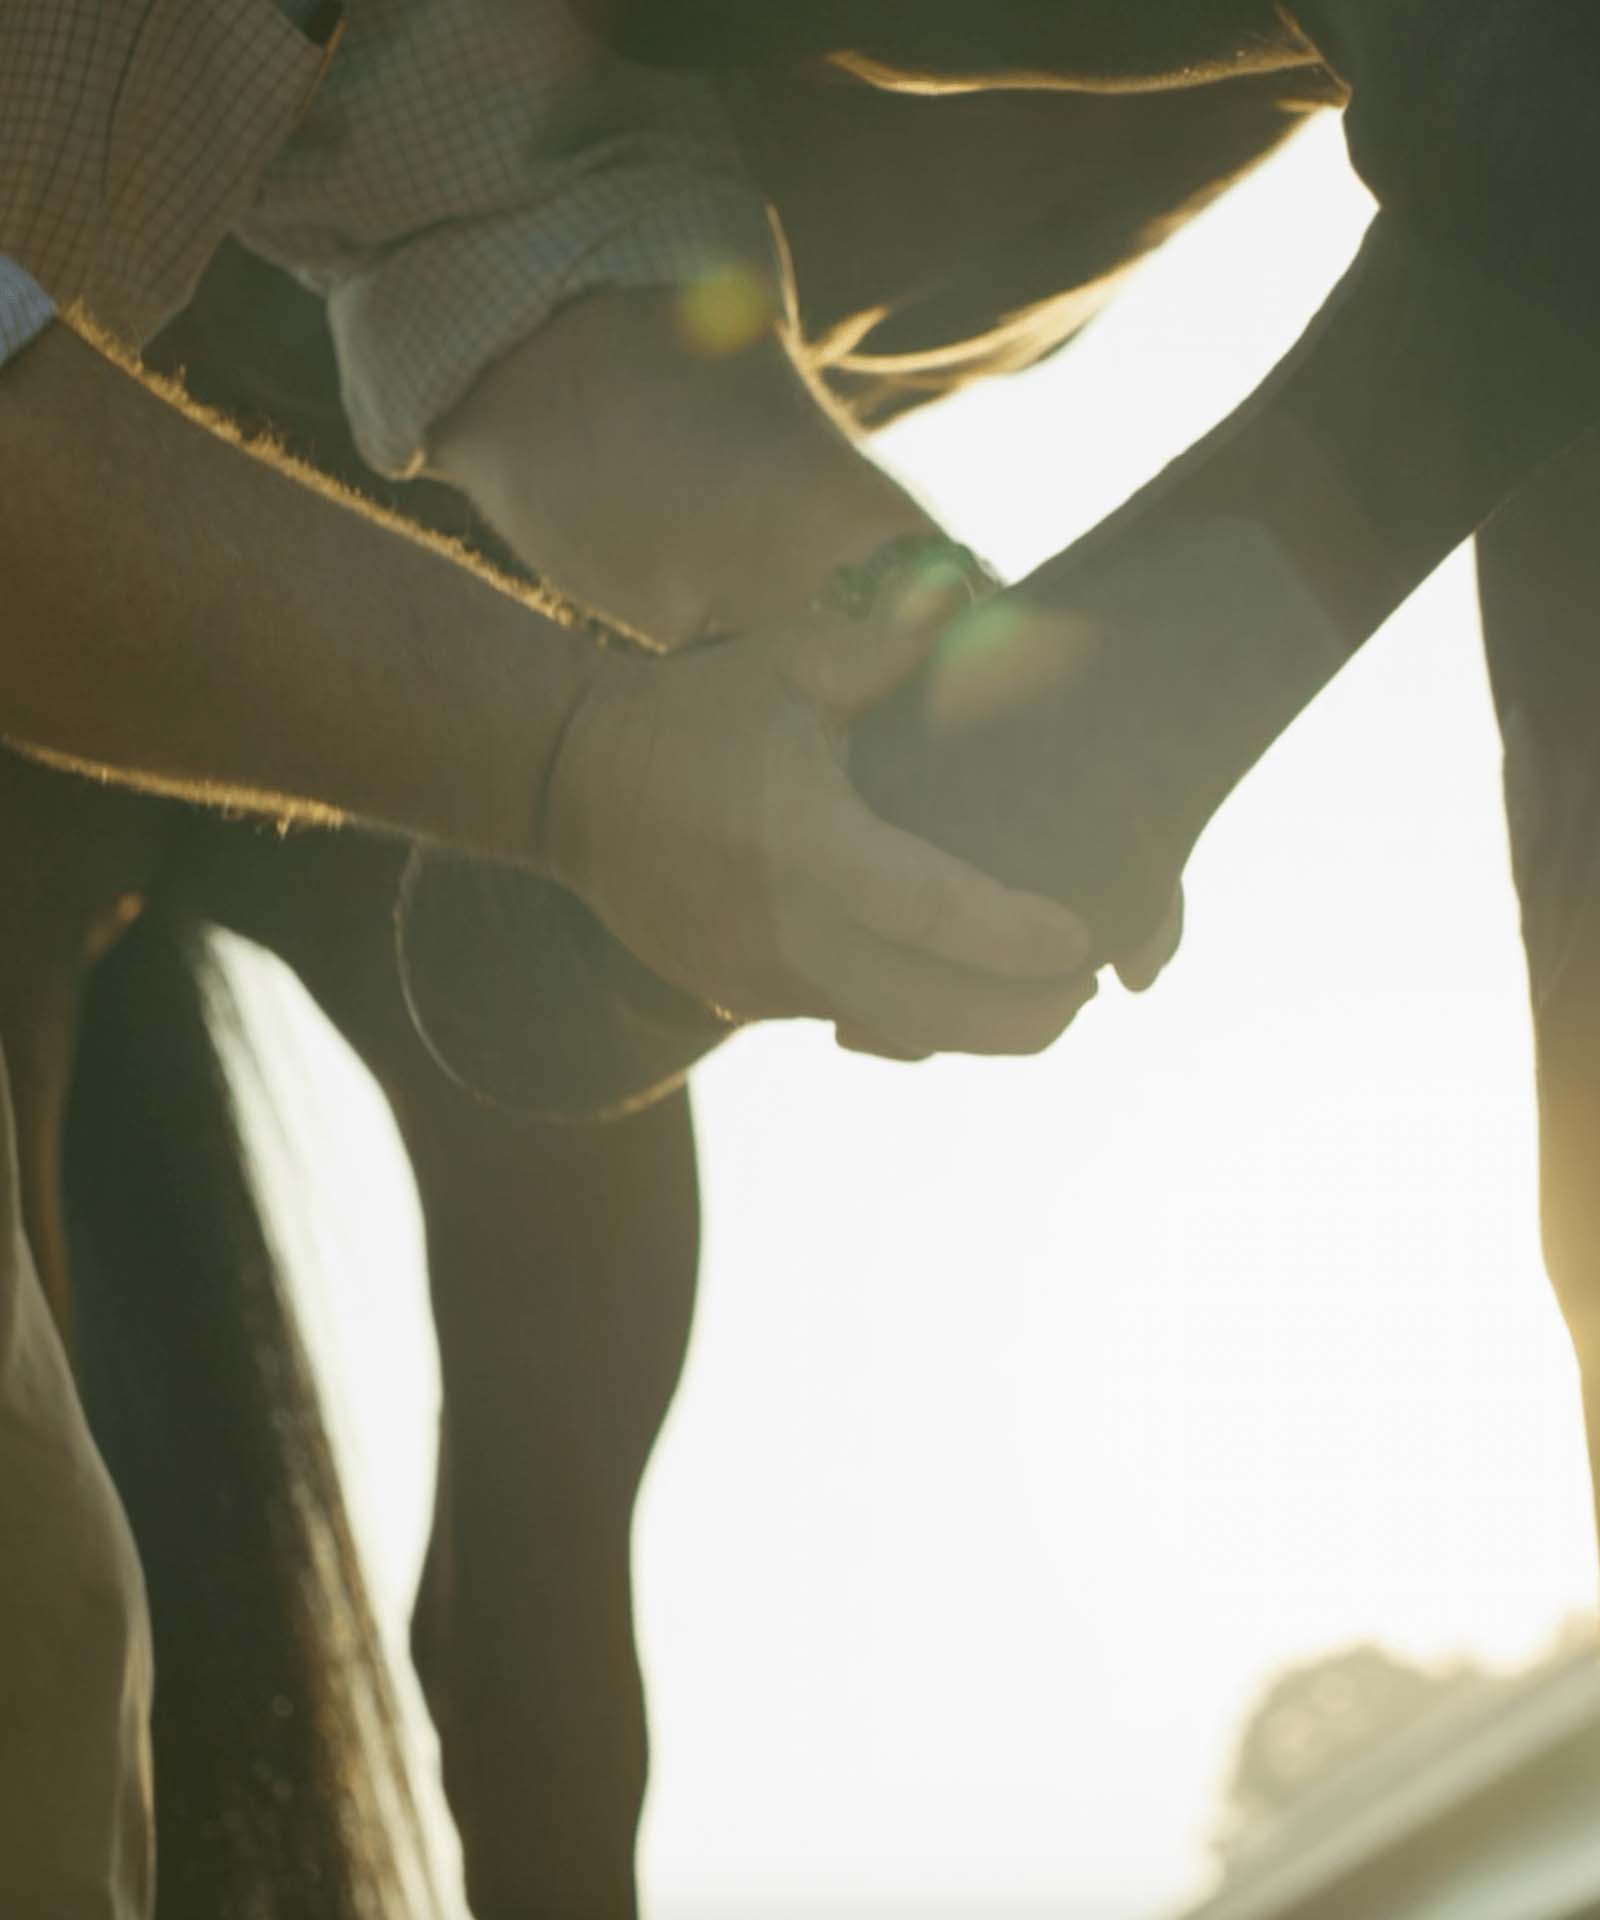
x=1539 y=578
x=560 y=1358
x=562 y=1265
x=75 y=858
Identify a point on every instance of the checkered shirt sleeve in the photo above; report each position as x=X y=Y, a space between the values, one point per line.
x=132 y=133
x=25 y=308
x=470 y=166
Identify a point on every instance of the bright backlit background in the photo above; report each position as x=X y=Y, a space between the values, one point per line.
x=1036 y=1411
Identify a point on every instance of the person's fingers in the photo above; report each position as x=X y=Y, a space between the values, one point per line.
x=1138 y=971
x=919 y=1006
x=857 y=1040
x=907 y=892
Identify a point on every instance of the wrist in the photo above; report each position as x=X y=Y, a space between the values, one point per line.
x=776 y=575
x=579 y=783
x=500 y=702
x=740 y=547
x=671 y=494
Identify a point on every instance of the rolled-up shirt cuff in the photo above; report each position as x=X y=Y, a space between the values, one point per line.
x=25 y=308
x=417 y=331
x=133 y=136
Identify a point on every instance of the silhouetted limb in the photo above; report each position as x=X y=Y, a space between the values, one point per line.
x=1539 y=579
x=281 y=1784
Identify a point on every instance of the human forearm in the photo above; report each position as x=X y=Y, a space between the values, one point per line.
x=675 y=493
x=213 y=628
x=186 y=617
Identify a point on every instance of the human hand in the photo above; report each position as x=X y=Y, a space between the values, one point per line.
x=700 y=806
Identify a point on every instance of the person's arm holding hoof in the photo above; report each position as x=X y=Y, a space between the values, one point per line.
x=687 y=494
x=617 y=399
x=221 y=630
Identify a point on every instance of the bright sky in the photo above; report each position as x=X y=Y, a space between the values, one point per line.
x=1036 y=1411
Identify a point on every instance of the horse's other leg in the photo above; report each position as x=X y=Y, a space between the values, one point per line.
x=562 y=1265
x=75 y=857
x=1539 y=577
x=563 y=1276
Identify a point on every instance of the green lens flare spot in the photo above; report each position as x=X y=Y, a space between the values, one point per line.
x=983 y=634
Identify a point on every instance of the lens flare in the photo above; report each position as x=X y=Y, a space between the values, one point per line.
x=725 y=310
